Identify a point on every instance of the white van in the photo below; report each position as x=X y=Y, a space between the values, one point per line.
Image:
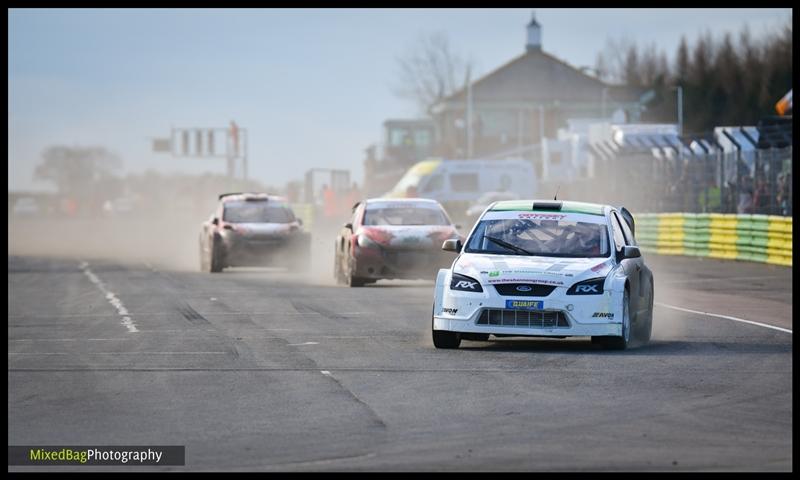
x=460 y=181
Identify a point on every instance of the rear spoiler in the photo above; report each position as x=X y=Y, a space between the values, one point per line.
x=555 y=205
x=229 y=194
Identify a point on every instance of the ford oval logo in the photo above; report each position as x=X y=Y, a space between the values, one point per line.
x=523 y=288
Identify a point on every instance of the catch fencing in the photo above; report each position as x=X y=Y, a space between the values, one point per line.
x=695 y=180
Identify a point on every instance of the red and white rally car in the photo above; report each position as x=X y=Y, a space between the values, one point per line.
x=253 y=229
x=392 y=239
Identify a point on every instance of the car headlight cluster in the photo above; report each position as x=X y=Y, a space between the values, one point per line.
x=593 y=286
x=465 y=284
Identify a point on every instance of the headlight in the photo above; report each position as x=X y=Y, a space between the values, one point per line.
x=593 y=286
x=465 y=283
x=366 y=242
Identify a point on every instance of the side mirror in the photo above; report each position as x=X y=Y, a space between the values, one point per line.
x=349 y=225
x=452 y=245
x=300 y=221
x=459 y=226
x=215 y=221
x=629 y=251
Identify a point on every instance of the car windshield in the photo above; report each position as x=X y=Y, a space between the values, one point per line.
x=549 y=238
x=256 y=212
x=404 y=216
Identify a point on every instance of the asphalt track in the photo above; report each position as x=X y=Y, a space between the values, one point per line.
x=258 y=369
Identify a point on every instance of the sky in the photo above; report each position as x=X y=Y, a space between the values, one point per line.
x=311 y=86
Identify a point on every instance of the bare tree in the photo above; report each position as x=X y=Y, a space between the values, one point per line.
x=430 y=71
x=75 y=169
x=612 y=61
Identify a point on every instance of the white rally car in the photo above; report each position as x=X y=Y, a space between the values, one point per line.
x=546 y=268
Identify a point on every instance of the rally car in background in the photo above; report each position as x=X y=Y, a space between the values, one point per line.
x=393 y=239
x=546 y=268
x=253 y=229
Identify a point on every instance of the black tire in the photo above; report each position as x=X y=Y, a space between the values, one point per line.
x=216 y=258
x=350 y=279
x=355 y=281
x=445 y=339
x=646 y=323
x=624 y=341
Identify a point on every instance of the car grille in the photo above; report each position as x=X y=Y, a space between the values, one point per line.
x=510 y=290
x=523 y=318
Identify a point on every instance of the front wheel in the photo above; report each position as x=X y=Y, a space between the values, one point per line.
x=444 y=338
x=350 y=278
x=215 y=262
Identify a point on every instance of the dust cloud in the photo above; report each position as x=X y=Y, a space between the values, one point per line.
x=167 y=239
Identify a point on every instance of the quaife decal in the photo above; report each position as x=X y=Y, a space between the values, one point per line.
x=494 y=273
x=451 y=311
x=525 y=304
x=602 y=315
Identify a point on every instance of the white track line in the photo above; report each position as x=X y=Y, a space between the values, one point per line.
x=111 y=297
x=119 y=353
x=725 y=317
x=703 y=280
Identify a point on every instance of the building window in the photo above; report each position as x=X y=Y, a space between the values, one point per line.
x=399 y=137
x=422 y=137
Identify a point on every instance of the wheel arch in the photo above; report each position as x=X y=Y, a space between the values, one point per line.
x=442 y=280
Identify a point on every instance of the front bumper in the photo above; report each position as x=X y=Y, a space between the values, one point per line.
x=586 y=315
x=400 y=264
x=242 y=251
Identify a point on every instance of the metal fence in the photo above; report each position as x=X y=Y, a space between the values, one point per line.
x=711 y=181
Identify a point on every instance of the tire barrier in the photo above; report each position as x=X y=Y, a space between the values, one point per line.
x=755 y=238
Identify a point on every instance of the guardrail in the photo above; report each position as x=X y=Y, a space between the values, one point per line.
x=756 y=238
